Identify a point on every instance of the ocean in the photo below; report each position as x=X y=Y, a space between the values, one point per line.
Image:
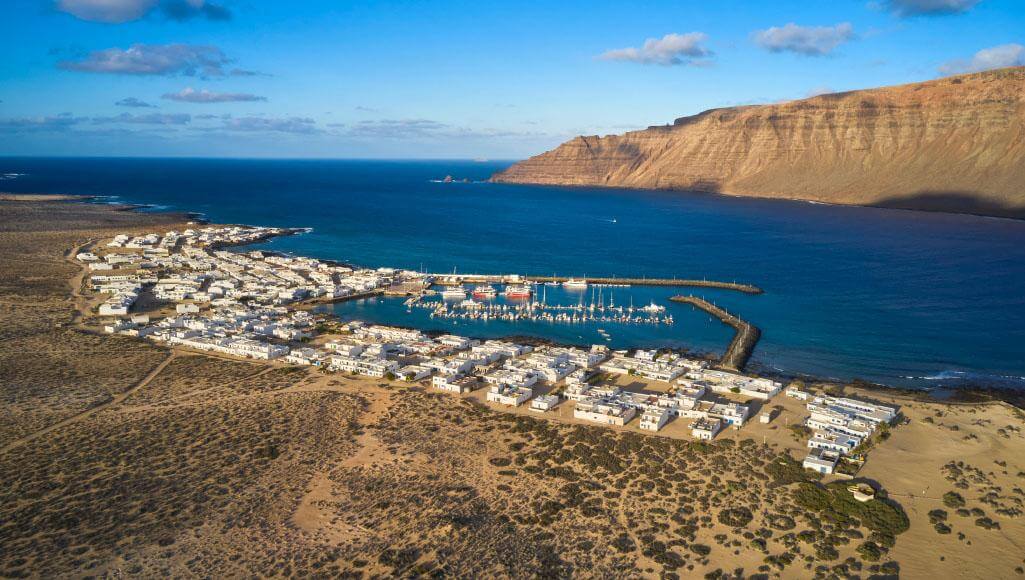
x=910 y=299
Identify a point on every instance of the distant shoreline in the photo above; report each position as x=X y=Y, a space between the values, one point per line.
x=5 y=196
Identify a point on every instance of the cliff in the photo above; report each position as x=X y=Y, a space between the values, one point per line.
x=953 y=144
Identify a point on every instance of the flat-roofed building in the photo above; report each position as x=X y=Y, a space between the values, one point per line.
x=544 y=403
x=604 y=411
x=821 y=460
x=705 y=428
x=654 y=418
x=512 y=396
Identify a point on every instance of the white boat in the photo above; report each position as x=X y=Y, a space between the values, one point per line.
x=456 y=293
x=485 y=291
x=575 y=284
x=653 y=308
x=522 y=291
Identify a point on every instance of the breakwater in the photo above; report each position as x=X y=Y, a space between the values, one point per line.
x=744 y=340
x=452 y=279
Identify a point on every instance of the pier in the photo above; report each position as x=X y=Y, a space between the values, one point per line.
x=744 y=340
x=456 y=279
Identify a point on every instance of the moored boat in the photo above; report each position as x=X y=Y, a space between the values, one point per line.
x=517 y=291
x=484 y=291
x=575 y=284
x=455 y=293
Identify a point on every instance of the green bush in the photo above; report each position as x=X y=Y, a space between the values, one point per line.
x=987 y=523
x=870 y=551
x=700 y=549
x=735 y=517
x=953 y=500
x=836 y=503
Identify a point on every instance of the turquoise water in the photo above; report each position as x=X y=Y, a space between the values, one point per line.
x=905 y=298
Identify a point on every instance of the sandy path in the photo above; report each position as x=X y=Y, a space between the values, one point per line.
x=115 y=400
x=80 y=301
x=315 y=515
x=370 y=447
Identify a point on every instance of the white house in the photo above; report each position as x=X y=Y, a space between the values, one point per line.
x=821 y=460
x=509 y=395
x=654 y=418
x=604 y=411
x=544 y=403
x=705 y=429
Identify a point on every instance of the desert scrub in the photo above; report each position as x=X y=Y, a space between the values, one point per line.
x=839 y=505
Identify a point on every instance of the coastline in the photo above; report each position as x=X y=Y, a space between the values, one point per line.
x=1014 y=396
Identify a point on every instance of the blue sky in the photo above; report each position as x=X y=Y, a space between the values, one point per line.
x=320 y=78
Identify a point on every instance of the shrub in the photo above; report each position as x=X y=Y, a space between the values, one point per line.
x=953 y=500
x=735 y=517
x=870 y=551
x=826 y=552
x=936 y=516
x=623 y=543
x=782 y=522
x=987 y=523
x=700 y=549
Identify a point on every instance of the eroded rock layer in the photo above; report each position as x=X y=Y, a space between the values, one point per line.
x=952 y=144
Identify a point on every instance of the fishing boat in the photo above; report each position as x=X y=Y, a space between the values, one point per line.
x=518 y=291
x=575 y=284
x=484 y=291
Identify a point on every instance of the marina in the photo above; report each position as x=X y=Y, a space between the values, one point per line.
x=522 y=303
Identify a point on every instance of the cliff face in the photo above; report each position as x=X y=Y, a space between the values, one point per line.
x=953 y=144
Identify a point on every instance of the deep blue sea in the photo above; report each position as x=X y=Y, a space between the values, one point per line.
x=904 y=298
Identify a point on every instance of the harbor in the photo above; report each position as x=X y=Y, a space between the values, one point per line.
x=612 y=311
x=522 y=302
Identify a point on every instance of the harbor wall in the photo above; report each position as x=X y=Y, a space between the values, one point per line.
x=744 y=339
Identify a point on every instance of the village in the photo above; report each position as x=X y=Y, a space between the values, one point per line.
x=185 y=290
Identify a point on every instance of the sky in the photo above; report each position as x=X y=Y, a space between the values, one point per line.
x=332 y=79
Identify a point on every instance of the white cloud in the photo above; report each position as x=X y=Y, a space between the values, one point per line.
x=61 y=122
x=190 y=95
x=110 y=11
x=671 y=49
x=133 y=102
x=908 y=8
x=302 y=125
x=150 y=119
x=988 y=58
x=153 y=59
x=806 y=40
x=119 y=11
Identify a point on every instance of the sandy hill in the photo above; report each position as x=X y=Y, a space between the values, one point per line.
x=952 y=144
